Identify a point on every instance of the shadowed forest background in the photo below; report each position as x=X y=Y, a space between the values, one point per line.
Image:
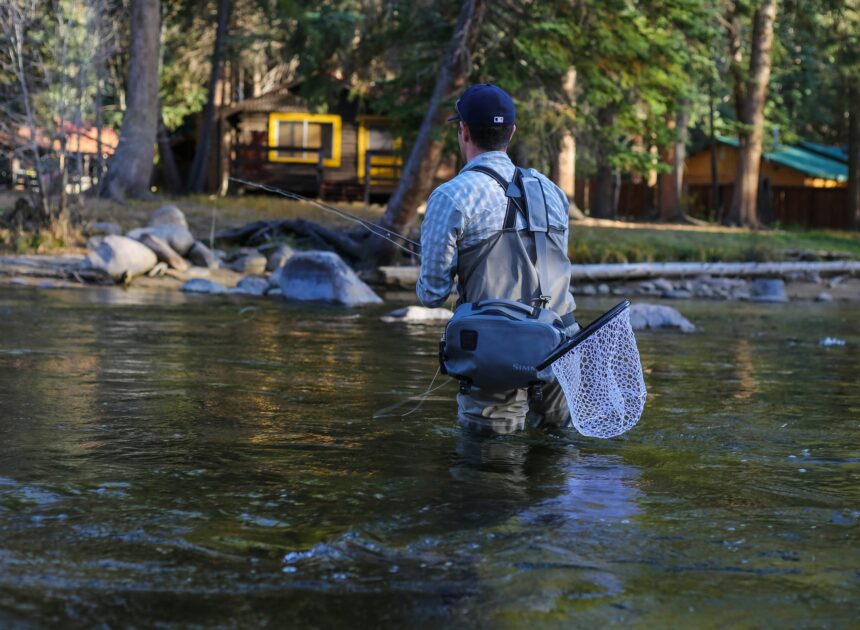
x=609 y=93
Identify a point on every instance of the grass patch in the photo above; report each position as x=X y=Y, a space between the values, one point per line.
x=601 y=244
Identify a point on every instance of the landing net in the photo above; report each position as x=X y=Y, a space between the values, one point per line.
x=601 y=375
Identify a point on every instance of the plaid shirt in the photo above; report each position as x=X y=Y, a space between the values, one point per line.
x=467 y=210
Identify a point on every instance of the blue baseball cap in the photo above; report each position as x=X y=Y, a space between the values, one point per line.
x=485 y=105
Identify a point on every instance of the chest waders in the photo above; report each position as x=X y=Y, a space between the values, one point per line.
x=514 y=297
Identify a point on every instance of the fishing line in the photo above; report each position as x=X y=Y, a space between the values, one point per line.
x=371 y=227
x=387 y=235
x=383 y=413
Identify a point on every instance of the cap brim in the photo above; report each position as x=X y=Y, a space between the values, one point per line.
x=455 y=118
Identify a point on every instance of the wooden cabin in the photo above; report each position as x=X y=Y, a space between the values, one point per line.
x=807 y=164
x=275 y=140
x=801 y=185
x=81 y=152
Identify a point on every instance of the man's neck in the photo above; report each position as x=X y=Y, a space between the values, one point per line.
x=476 y=152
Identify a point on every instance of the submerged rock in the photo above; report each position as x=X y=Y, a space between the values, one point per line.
x=178 y=237
x=252 y=285
x=323 y=277
x=203 y=285
x=168 y=215
x=768 y=290
x=119 y=255
x=644 y=316
x=418 y=315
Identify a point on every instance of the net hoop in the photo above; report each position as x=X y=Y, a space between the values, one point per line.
x=600 y=372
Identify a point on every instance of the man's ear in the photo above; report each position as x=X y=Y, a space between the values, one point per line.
x=513 y=131
x=467 y=137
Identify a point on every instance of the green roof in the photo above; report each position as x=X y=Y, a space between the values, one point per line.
x=834 y=153
x=808 y=162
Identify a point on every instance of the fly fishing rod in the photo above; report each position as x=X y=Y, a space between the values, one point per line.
x=371 y=227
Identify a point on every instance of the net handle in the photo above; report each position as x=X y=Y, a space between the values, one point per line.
x=583 y=334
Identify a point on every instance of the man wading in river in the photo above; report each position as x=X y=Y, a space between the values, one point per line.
x=469 y=233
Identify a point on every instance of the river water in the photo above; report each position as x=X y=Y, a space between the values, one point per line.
x=171 y=460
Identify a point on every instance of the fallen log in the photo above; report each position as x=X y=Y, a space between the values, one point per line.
x=259 y=232
x=408 y=276
x=53 y=267
x=633 y=271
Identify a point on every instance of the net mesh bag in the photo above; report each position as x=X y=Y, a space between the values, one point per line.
x=602 y=379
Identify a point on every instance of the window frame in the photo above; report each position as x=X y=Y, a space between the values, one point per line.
x=331 y=119
x=365 y=122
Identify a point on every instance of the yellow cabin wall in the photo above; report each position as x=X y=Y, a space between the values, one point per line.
x=698 y=171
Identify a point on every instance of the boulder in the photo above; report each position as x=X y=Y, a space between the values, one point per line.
x=252 y=285
x=418 y=315
x=202 y=285
x=104 y=228
x=663 y=285
x=586 y=289
x=164 y=252
x=202 y=256
x=168 y=215
x=644 y=316
x=323 y=276
x=248 y=261
x=178 y=237
x=704 y=290
x=279 y=257
x=768 y=290
x=722 y=283
x=603 y=289
x=824 y=296
x=119 y=255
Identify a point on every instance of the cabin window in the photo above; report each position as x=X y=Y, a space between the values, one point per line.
x=375 y=135
x=298 y=138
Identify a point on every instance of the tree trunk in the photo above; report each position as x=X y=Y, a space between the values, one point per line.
x=130 y=170
x=672 y=184
x=418 y=173
x=199 y=166
x=716 y=202
x=564 y=164
x=167 y=159
x=603 y=196
x=743 y=211
x=854 y=156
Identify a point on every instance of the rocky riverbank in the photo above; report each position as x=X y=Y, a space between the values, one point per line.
x=165 y=254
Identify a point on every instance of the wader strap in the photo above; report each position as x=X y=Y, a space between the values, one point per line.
x=538 y=225
x=528 y=188
x=512 y=192
x=568 y=320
